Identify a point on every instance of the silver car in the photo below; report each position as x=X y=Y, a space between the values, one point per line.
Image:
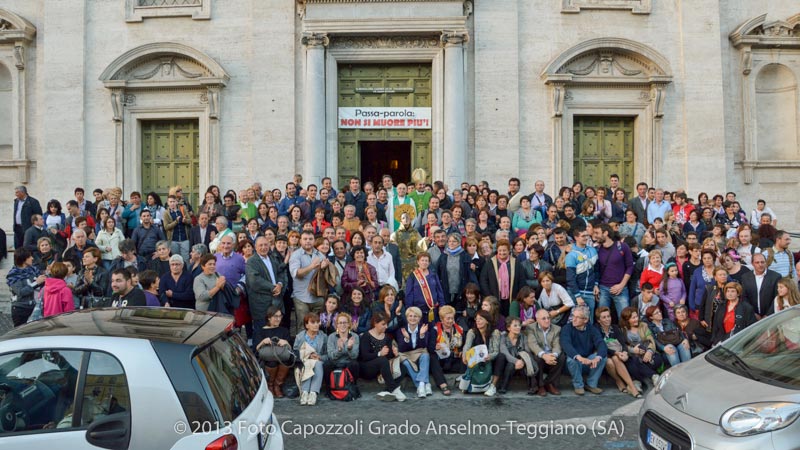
x=133 y=378
x=742 y=394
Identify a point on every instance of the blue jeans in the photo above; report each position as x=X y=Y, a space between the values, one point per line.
x=314 y=384
x=588 y=298
x=682 y=355
x=577 y=370
x=621 y=300
x=423 y=366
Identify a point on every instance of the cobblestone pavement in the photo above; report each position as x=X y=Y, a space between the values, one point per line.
x=606 y=421
x=5 y=323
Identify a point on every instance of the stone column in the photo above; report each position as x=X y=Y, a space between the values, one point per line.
x=314 y=108
x=455 y=133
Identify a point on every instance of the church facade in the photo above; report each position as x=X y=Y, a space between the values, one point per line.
x=145 y=94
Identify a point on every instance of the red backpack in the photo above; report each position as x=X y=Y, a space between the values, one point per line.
x=343 y=386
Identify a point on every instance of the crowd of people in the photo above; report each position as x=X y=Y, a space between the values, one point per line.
x=384 y=281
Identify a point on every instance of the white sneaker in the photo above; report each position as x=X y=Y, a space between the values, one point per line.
x=312 y=398
x=421 y=390
x=399 y=394
x=386 y=396
x=304 y=398
x=491 y=391
x=428 y=389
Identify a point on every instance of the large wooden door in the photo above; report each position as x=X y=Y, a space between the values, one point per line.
x=383 y=85
x=170 y=156
x=603 y=146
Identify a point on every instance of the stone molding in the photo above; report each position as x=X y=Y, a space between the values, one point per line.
x=16 y=34
x=399 y=26
x=761 y=43
x=138 y=82
x=637 y=73
x=635 y=6
x=135 y=12
x=315 y=40
x=376 y=42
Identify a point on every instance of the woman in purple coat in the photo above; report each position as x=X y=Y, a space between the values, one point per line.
x=360 y=274
x=424 y=290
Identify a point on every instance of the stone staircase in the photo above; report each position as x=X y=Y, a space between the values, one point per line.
x=5 y=294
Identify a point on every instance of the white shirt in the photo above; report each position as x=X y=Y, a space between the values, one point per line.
x=18 y=214
x=384 y=267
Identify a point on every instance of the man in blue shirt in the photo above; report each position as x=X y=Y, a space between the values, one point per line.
x=290 y=200
x=658 y=207
x=582 y=277
x=586 y=351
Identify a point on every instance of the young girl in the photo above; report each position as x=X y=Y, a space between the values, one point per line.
x=472 y=303
x=788 y=294
x=673 y=290
x=327 y=320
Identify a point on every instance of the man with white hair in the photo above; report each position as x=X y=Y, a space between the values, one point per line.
x=25 y=207
x=222 y=230
x=79 y=245
x=230 y=264
x=585 y=350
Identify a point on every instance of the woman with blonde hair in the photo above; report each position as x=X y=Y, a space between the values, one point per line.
x=788 y=294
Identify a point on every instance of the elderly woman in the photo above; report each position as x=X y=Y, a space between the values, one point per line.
x=44 y=255
x=453 y=269
x=641 y=345
x=93 y=279
x=161 y=261
x=632 y=227
x=389 y=305
x=676 y=350
x=23 y=279
x=343 y=347
x=525 y=217
x=412 y=344
x=197 y=252
x=358 y=273
x=207 y=284
x=733 y=316
x=444 y=346
x=697 y=343
x=424 y=290
x=311 y=345
x=534 y=265
x=618 y=356
x=176 y=287
x=514 y=356
x=376 y=348
x=654 y=272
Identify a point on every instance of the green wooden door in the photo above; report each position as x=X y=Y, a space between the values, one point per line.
x=399 y=85
x=603 y=146
x=170 y=156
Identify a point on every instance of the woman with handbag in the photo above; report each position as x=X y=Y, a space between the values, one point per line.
x=514 y=356
x=689 y=326
x=274 y=350
x=733 y=316
x=474 y=380
x=311 y=345
x=92 y=279
x=641 y=346
x=24 y=280
x=670 y=340
x=618 y=356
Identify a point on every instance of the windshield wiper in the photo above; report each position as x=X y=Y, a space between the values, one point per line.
x=738 y=363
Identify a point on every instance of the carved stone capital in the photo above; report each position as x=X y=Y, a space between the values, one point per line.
x=212 y=96
x=658 y=94
x=312 y=40
x=117 y=104
x=747 y=60
x=454 y=38
x=559 y=95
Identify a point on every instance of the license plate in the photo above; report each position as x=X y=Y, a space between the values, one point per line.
x=657 y=442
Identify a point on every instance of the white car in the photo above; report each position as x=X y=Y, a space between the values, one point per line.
x=133 y=378
x=743 y=394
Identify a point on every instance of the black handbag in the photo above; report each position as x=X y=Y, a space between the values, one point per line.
x=281 y=354
x=669 y=337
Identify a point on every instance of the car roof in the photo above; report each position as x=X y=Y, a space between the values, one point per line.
x=174 y=325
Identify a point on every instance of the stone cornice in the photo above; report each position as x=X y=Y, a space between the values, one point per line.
x=395 y=26
x=311 y=2
x=758 y=33
x=14 y=29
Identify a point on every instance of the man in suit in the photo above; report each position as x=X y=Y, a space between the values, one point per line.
x=265 y=279
x=760 y=286
x=639 y=202
x=502 y=277
x=25 y=207
x=36 y=231
x=544 y=340
x=202 y=233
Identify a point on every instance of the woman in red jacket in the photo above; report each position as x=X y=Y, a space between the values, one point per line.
x=57 y=295
x=654 y=271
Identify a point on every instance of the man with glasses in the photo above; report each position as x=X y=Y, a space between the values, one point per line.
x=586 y=352
x=545 y=343
x=582 y=268
x=265 y=278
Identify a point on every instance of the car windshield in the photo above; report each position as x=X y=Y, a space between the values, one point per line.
x=766 y=351
x=232 y=375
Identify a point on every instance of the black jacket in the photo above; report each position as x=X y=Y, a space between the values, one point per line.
x=466 y=275
x=194 y=235
x=763 y=303
x=29 y=208
x=744 y=318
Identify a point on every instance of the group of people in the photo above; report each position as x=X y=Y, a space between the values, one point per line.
x=414 y=280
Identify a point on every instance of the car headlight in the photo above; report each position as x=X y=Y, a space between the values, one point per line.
x=755 y=418
x=662 y=381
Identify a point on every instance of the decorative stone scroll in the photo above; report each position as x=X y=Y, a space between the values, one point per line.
x=635 y=6
x=379 y=42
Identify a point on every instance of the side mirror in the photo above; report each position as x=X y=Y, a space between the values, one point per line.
x=112 y=431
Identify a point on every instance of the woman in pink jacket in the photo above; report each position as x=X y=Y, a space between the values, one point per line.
x=57 y=295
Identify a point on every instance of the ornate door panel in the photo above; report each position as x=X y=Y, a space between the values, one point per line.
x=383 y=85
x=603 y=146
x=170 y=156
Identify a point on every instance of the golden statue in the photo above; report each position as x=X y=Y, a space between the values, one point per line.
x=407 y=238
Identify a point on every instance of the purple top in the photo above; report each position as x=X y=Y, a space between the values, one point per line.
x=614 y=262
x=151 y=299
x=232 y=267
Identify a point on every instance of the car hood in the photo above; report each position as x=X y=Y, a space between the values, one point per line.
x=705 y=391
